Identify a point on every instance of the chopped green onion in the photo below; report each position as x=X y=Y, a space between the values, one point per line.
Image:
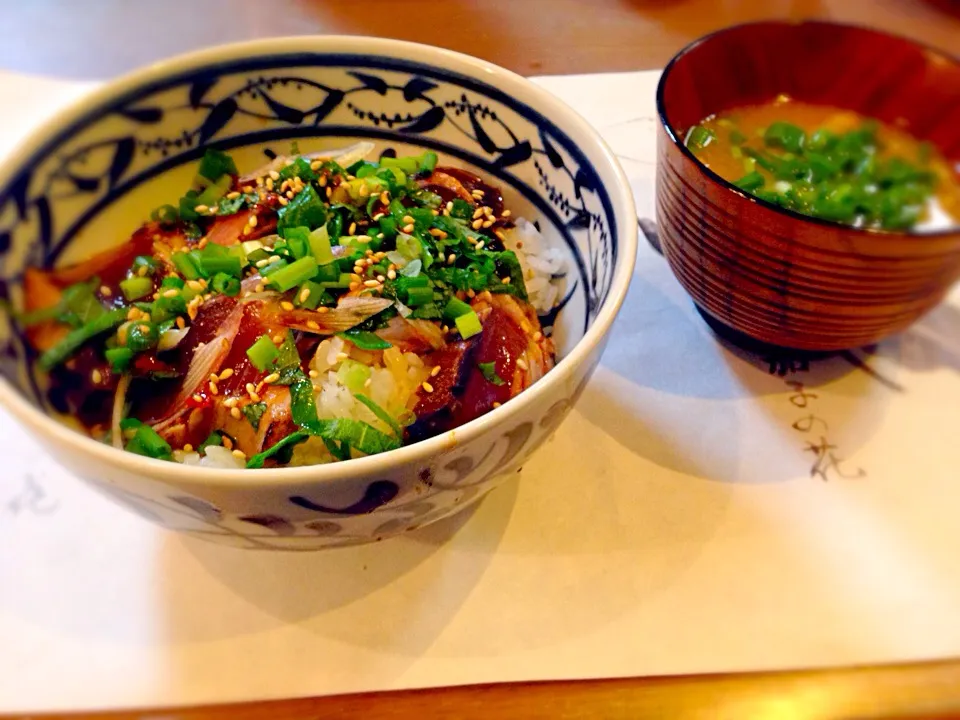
x=119 y=358
x=136 y=287
x=310 y=295
x=166 y=215
x=468 y=325
x=146 y=441
x=80 y=301
x=750 y=182
x=698 y=137
x=455 y=308
x=785 y=135
x=262 y=353
x=296 y=273
x=215 y=439
x=416 y=296
x=305 y=210
x=187 y=265
x=489 y=372
x=365 y=340
x=172 y=282
x=225 y=284
x=76 y=338
x=142 y=336
x=42 y=315
x=353 y=374
x=320 y=245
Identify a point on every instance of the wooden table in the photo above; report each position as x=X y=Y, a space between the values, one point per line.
x=101 y=38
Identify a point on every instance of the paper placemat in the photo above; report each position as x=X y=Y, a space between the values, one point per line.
x=702 y=509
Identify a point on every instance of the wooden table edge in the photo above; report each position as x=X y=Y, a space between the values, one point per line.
x=914 y=690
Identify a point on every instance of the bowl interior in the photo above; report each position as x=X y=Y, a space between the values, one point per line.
x=875 y=74
x=89 y=179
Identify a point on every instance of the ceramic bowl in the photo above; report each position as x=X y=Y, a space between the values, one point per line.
x=89 y=177
x=775 y=275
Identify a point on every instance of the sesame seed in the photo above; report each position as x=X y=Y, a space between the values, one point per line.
x=235 y=413
x=522 y=364
x=96 y=376
x=354 y=286
x=231 y=402
x=105 y=291
x=377 y=217
x=271 y=378
x=322 y=181
x=356 y=278
x=481 y=244
x=133 y=313
x=181 y=323
x=259 y=287
x=488 y=223
x=341 y=356
x=284 y=185
x=427 y=387
x=172 y=292
x=370 y=283
x=496 y=404
x=188 y=448
x=451 y=259
x=364 y=190
x=329 y=192
x=239 y=454
x=322 y=309
x=227 y=441
x=477 y=213
x=233 y=195
x=488 y=212
x=368 y=382
x=537 y=336
x=313 y=374
x=385 y=197
x=274 y=175
x=435 y=371
x=278 y=339
x=304 y=294
x=214 y=390
x=249 y=387
x=407 y=219
x=471 y=294
x=380 y=278
x=313 y=324
x=408 y=229
x=213 y=377
x=142 y=272
x=449 y=206
x=358 y=269
x=353 y=229
x=252 y=222
x=228 y=372
x=476 y=224
x=290 y=194
x=247 y=189
x=379 y=236
x=269 y=183
x=392 y=274
x=505 y=280
x=259 y=182
x=194 y=285
x=286 y=305
x=283 y=200
x=198 y=398
x=262 y=263
x=247 y=229
x=316 y=165
x=477 y=193
x=503 y=238
x=201 y=208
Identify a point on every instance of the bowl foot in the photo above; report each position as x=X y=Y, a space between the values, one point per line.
x=750 y=344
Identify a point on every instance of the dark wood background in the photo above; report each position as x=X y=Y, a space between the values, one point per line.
x=103 y=38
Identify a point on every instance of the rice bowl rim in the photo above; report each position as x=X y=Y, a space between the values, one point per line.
x=54 y=431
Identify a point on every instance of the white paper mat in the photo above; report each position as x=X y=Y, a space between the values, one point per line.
x=695 y=513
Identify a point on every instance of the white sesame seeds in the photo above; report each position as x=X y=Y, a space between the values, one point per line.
x=286 y=305
x=537 y=336
x=481 y=244
x=282 y=200
x=477 y=213
x=370 y=283
x=392 y=274
x=304 y=295
x=235 y=413
x=496 y=404
x=268 y=183
x=316 y=165
x=227 y=441
x=271 y=378
x=478 y=194
x=262 y=263
x=181 y=323
x=105 y=291
x=252 y=222
x=188 y=448
x=171 y=293
x=522 y=364
x=354 y=286
x=380 y=278
x=353 y=229
x=322 y=309
x=227 y=372
x=341 y=356
x=427 y=387
x=233 y=195
x=322 y=181
x=313 y=324
x=231 y=402
x=408 y=228
x=505 y=280
x=476 y=224
x=435 y=371
x=274 y=175
x=488 y=223
x=368 y=382
x=212 y=386
x=385 y=197
x=197 y=398
x=313 y=374
x=451 y=259
x=96 y=376
x=201 y=208
x=239 y=454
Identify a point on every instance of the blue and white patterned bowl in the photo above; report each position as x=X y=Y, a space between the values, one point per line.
x=88 y=178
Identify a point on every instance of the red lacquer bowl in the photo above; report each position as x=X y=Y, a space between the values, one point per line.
x=773 y=274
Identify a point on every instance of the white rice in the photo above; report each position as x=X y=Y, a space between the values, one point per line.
x=396 y=378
